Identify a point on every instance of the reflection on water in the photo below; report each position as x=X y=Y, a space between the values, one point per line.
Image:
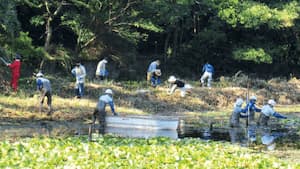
x=53 y=129
x=241 y=136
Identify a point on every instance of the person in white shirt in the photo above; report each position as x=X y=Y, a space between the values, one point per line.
x=79 y=72
x=267 y=111
x=101 y=71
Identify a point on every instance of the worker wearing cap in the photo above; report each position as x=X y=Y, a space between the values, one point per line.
x=15 y=67
x=101 y=71
x=44 y=87
x=100 y=113
x=238 y=112
x=79 y=72
x=208 y=71
x=251 y=108
x=267 y=111
x=175 y=83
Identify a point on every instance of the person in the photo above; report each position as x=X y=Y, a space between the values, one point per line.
x=79 y=72
x=155 y=78
x=101 y=71
x=267 y=111
x=44 y=87
x=237 y=113
x=175 y=83
x=154 y=73
x=251 y=108
x=99 y=112
x=15 y=67
x=208 y=71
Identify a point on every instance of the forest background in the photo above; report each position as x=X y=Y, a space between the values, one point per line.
x=259 y=37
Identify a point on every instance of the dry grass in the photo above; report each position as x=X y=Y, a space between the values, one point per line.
x=138 y=98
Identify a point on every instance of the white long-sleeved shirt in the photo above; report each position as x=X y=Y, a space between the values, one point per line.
x=101 y=69
x=79 y=73
x=267 y=110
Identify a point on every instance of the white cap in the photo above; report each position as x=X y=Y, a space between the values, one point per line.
x=104 y=61
x=108 y=91
x=271 y=102
x=253 y=98
x=39 y=74
x=172 y=79
x=239 y=102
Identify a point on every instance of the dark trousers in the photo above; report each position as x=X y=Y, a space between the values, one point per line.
x=49 y=98
x=263 y=120
x=100 y=115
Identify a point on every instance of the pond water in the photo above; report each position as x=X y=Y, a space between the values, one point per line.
x=242 y=136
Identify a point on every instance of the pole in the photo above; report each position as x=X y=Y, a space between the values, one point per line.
x=247 y=101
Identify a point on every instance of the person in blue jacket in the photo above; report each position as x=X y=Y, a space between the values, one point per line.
x=208 y=71
x=267 y=111
x=100 y=113
x=154 y=73
x=44 y=87
x=251 y=108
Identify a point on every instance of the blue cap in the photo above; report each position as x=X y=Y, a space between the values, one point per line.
x=18 y=56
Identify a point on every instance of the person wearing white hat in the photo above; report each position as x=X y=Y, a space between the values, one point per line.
x=237 y=113
x=99 y=112
x=251 y=108
x=175 y=83
x=101 y=71
x=44 y=87
x=267 y=111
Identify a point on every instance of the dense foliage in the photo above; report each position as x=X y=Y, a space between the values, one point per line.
x=112 y=152
x=133 y=32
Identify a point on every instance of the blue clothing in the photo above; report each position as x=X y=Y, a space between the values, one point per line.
x=251 y=108
x=106 y=99
x=79 y=89
x=278 y=115
x=103 y=73
x=155 y=80
x=43 y=83
x=153 y=66
x=208 y=68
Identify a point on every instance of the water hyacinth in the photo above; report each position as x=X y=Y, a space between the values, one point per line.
x=114 y=152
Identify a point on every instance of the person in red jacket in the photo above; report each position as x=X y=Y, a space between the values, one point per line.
x=15 y=67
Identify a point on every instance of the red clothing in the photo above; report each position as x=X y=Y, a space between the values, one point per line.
x=15 y=70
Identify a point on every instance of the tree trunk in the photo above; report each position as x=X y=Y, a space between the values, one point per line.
x=48 y=34
x=166 y=47
x=175 y=41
